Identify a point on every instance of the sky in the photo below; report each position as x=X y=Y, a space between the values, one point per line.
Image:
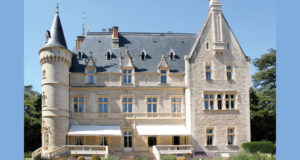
x=253 y=23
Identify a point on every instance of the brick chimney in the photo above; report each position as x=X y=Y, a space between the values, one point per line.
x=115 y=37
x=79 y=41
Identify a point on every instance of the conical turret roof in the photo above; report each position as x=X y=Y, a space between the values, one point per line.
x=57 y=38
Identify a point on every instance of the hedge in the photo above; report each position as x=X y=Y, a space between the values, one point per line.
x=261 y=146
x=95 y=157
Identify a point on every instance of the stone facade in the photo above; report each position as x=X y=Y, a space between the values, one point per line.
x=214 y=105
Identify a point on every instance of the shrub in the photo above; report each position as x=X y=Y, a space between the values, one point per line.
x=263 y=147
x=110 y=158
x=27 y=155
x=80 y=158
x=95 y=157
x=168 y=157
x=255 y=156
x=181 y=158
x=141 y=158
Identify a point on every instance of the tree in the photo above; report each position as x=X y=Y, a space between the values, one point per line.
x=32 y=119
x=263 y=98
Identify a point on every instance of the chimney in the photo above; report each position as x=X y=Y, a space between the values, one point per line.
x=79 y=41
x=115 y=37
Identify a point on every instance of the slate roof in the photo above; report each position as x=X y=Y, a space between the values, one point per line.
x=57 y=38
x=154 y=44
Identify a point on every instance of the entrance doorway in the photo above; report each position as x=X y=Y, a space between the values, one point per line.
x=127 y=141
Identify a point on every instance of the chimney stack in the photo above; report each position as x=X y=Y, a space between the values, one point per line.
x=79 y=41
x=115 y=37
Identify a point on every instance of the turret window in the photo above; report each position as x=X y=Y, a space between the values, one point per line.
x=44 y=74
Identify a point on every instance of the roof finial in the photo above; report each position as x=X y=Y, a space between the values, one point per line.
x=91 y=54
x=57 y=8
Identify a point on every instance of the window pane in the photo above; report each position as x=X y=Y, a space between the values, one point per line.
x=130 y=141
x=178 y=107
x=232 y=96
x=163 y=71
x=124 y=107
x=80 y=107
x=230 y=130
x=229 y=67
x=227 y=104
x=129 y=71
x=229 y=75
x=90 y=79
x=154 y=107
x=81 y=99
x=124 y=79
x=206 y=96
x=99 y=99
x=173 y=99
x=149 y=108
x=178 y=99
x=100 y=107
x=125 y=142
x=219 y=96
x=90 y=71
x=75 y=99
x=154 y=99
x=211 y=104
x=75 y=108
x=105 y=108
x=173 y=107
x=226 y=96
x=206 y=105
x=129 y=107
x=149 y=100
x=124 y=71
x=208 y=75
x=232 y=104
x=207 y=67
x=211 y=96
x=129 y=99
x=105 y=99
x=124 y=99
x=129 y=79
x=219 y=104
x=209 y=131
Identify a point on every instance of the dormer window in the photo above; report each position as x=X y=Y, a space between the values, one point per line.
x=80 y=55
x=127 y=76
x=143 y=56
x=172 y=56
x=108 y=55
x=90 y=76
x=163 y=76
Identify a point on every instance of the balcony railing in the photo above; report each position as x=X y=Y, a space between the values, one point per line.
x=147 y=115
x=74 y=149
x=159 y=150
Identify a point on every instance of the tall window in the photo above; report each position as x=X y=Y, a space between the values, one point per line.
x=151 y=141
x=127 y=103
x=176 y=104
x=103 y=104
x=209 y=101
x=163 y=76
x=78 y=103
x=128 y=139
x=127 y=76
x=44 y=97
x=229 y=72
x=152 y=104
x=210 y=136
x=90 y=75
x=103 y=141
x=230 y=136
x=220 y=102
x=208 y=71
x=230 y=101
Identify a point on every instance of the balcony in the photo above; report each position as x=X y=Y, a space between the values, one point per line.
x=159 y=150
x=72 y=149
x=147 y=115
